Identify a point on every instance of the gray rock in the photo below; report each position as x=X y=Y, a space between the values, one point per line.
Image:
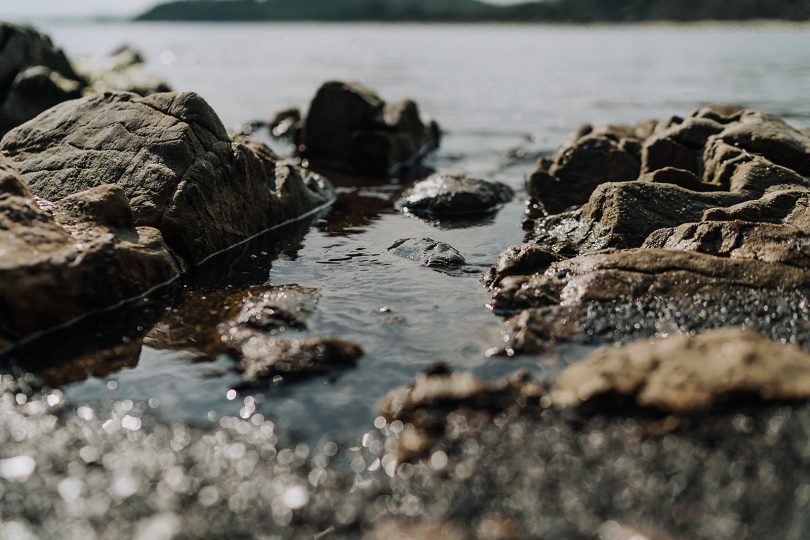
x=428 y=252
x=349 y=127
x=82 y=254
x=445 y=195
x=174 y=160
x=32 y=92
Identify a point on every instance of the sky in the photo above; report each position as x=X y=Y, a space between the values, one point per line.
x=16 y=9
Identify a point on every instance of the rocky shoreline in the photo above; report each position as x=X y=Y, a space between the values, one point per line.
x=676 y=250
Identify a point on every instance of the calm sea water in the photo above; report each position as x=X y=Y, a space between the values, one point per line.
x=492 y=88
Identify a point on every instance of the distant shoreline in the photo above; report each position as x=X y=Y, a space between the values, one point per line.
x=668 y=23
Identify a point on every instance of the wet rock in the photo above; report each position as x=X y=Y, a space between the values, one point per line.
x=440 y=398
x=24 y=93
x=124 y=70
x=428 y=252
x=349 y=127
x=264 y=357
x=82 y=255
x=172 y=157
x=523 y=259
x=767 y=242
x=633 y=273
x=445 y=195
x=579 y=167
x=285 y=306
x=537 y=330
x=689 y=374
x=515 y=293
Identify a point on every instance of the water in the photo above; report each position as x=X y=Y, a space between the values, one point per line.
x=493 y=89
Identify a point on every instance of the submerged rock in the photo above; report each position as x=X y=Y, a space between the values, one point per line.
x=349 y=127
x=63 y=260
x=264 y=357
x=428 y=252
x=445 y=195
x=174 y=160
x=686 y=374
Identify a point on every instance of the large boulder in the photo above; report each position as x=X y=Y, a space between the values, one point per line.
x=24 y=93
x=63 y=260
x=349 y=127
x=689 y=374
x=172 y=157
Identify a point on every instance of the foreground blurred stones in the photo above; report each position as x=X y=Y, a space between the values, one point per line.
x=65 y=259
x=686 y=374
x=174 y=160
x=717 y=209
x=349 y=127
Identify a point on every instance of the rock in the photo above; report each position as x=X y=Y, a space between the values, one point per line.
x=33 y=91
x=264 y=357
x=285 y=306
x=349 y=127
x=771 y=137
x=536 y=330
x=445 y=195
x=661 y=152
x=515 y=293
x=623 y=214
x=24 y=93
x=523 y=259
x=285 y=124
x=767 y=242
x=124 y=70
x=174 y=160
x=83 y=255
x=436 y=396
x=428 y=252
x=393 y=530
x=632 y=273
x=580 y=167
x=678 y=177
x=214 y=322
x=688 y=374
x=789 y=207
